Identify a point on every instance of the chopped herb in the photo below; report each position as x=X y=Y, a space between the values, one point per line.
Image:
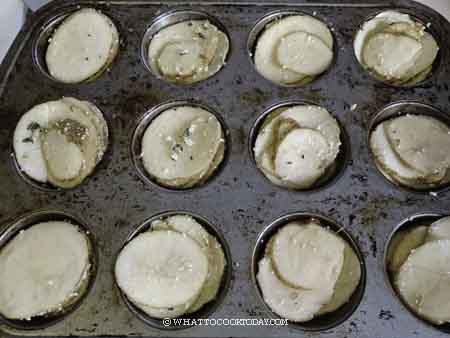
x=187 y=132
x=289 y=163
x=33 y=126
x=189 y=24
x=177 y=148
x=183 y=52
x=28 y=140
x=86 y=58
x=191 y=158
x=303 y=156
x=201 y=35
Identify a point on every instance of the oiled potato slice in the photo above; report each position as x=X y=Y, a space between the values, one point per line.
x=439 y=230
x=299 y=158
x=181 y=145
x=423 y=281
x=308 y=256
x=269 y=42
x=188 y=51
x=82 y=46
x=347 y=282
x=422 y=142
x=42 y=270
x=161 y=269
x=404 y=242
x=296 y=304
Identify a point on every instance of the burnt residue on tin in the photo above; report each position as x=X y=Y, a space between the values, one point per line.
x=239 y=200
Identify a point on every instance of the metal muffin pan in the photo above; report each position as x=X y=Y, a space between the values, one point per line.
x=239 y=202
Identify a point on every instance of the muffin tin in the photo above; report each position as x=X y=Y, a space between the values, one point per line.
x=238 y=201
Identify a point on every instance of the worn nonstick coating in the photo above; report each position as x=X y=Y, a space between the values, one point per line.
x=239 y=201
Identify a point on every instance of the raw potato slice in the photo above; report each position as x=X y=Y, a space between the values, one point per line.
x=401 y=248
x=181 y=145
x=188 y=51
x=347 y=282
x=161 y=269
x=391 y=55
x=82 y=46
x=213 y=250
x=304 y=53
x=267 y=45
x=422 y=142
x=298 y=305
x=318 y=118
x=43 y=268
x=308 y=256
x=423 y=281
x=300 y=158
x=439 y=230
x=388 y=159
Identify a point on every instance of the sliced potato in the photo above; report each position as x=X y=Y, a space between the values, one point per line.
x=43 y=269
x=347 y=282
x=82 y=46
x=298 y=305
x=268 y=42
x=299 y=158
x=422 y=143
x=308 y=256
x=423 y=281
x=162 y=269
x=181 y=145
x=439 y=230
x=391 y=55
x=404 y=242
x=304 y=53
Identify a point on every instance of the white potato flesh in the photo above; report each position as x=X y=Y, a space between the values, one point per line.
x=318 y=118
x=308 y=256
x=161 y=269
x=188 y=51
x=422 y=142
x=42 y=269
x=423 y=281
x=304 y=53
x=347 y=282
x=64 y=159
x=391 y=55
x=407 y=241
x=268 y=43
x=181 y=144
x=388 y=159
x=377 y=24
x=300 y=157
x=213 y=250
x=82 y=46
x=439 y=230
x=298 y=305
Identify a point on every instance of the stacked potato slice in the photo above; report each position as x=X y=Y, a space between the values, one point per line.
x=183 y=146
x=44 y=269
x=419 y=260
x=188 y=51
x=395 y=48
x=173 y=269
x=413 y=150
x=82 y=47
x=61 y=142
x=294 y=50
x=298 y=145
x=307 y=271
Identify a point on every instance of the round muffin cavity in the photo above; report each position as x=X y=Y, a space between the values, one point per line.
x=395 y=48
x=418 y=262
x=293 y=50
x=82 y=46
x=173 y=269
x=412 y=151
x=297 y=146
x=44 y=269
x=188 y=51
x=307 y=271
x=183 y=146
x=60 y=142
